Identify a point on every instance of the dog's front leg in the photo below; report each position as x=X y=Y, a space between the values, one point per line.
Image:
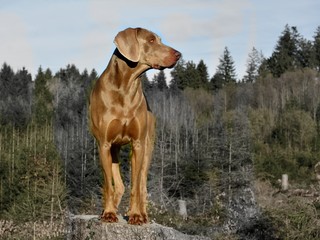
x=109 y=212
x=135 y=216
x=149 y=144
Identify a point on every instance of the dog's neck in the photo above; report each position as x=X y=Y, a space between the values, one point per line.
x=121 y=68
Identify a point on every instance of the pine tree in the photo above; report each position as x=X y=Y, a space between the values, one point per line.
x=226 y=68
x=305 y=54
x=22 y=81
x=289 y=52
x=253 y=64
x=69 y=74
x=15 y=94
x=6 y=81
x=160 y=81
x=203 y=74
x=282 y=57
x=146 y=84
x=316 y=49
x=178 y=74
x=216 y=82
x=191 y=76
x=42 y=105
x=93 y=75
x=21 y=95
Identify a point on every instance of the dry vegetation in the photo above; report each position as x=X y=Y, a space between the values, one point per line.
x=295 y=213
x=33 y=230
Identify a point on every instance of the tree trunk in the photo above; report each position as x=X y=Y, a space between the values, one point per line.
x=284 y=182
x=52 y=199
x=183 y=209
x=229 y=172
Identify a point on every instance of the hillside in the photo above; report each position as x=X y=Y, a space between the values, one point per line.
x=222 y=144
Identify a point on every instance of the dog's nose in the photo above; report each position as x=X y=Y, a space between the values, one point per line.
x=178 y=54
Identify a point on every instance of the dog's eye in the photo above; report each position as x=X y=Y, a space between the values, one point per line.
x=151 y=40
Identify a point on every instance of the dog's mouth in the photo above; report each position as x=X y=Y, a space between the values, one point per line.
x=160 y=67
x=169 y=62
x=157 y=66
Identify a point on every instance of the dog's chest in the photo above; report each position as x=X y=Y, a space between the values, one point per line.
x=124 y=130
x=124 y=104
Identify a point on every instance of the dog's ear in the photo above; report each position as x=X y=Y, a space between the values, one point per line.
x=127 y=44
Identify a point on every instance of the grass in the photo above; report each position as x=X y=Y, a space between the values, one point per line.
x=294 y=217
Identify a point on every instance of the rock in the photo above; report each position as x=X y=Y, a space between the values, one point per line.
x=242 y=209
x=90 y=227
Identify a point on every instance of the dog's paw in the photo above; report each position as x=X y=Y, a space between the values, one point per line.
x=109 y=217
x=145 y=218
x=136 y=219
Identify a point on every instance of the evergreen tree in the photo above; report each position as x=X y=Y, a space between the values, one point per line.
x=48 y=74
x=178 y=74
x=288 y=53
x=30 y=175
x=160 y=81
x=203 y=74
x=93 y=75
x=69 y=74
x=87 y=81
x=15 y=94
x=216 y=82
x=6 y=81
x=191 y=76
x=21 y=96
x=316 y=49
x=42 y=105
x=21 y=87
x=146 y=84
x=263 y=70
x=226 y=68
x=282 y=57
x=305 y=54
x=253 y=64
x=92 y=79
x=188 y=74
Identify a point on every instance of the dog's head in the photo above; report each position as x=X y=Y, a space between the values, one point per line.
x=143 y=46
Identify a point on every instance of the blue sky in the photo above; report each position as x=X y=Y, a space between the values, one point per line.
x=81 y=32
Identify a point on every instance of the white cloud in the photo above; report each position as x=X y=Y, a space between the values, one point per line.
x=15 y=47
x=105 y=12
x=201 y=29
x=59 y=32
x=215 y=19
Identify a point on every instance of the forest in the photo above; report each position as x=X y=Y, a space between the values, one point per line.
x=222 y=144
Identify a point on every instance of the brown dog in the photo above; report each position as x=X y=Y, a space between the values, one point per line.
x=119 y=116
